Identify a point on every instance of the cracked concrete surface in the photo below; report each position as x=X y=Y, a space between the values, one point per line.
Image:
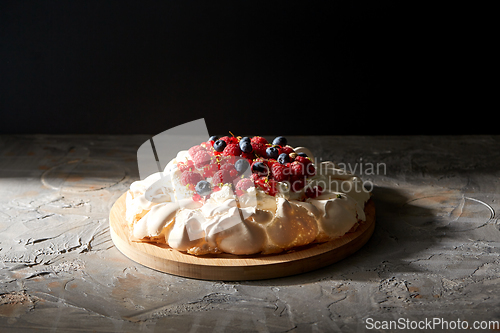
x=435 y=252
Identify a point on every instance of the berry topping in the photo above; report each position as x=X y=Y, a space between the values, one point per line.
x=260 y=168
x=241 y=165
x=207 y=145
x=259 y=149
x=231 y=169
x=280 y=141
x=259 y=139
x=244 y=184
x=221 y=177
x=246 y=146
x=248 y=156
x=201 y=158
x=232 y=149
x=193 y=150
x=309 y=168
x=280 y=172
x=287 y=149
x=185 y=166
x=284 y=158
x=228 y=160
x=297 y=169
x=219 y=145
x=229 y=139
x=190 y=177
x=209 y=170
x=302 y=159
x=203 y=188
x=246 y=161
x=272 y=152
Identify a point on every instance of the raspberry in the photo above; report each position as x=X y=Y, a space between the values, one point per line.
x=231 y=169
x=207 y=145
x=185 y=166
x=297 y=169
x=228 y=160
x=259 y=149
x=303 y=160
x=314 y=191
x=193 y=150
x=244 y=184
x=258 y=139
x=232 y=149
x=307 y=164
x=287 y=150
x=201 y=158
x=190 y=177
x=221 y=177
x=229 y=139
x=271 y=162
x=227 y=167
x=248 y=156
x=233 y=173
x=279 y=172
x=210 y=170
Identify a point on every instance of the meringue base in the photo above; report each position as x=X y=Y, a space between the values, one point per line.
x=229 y=267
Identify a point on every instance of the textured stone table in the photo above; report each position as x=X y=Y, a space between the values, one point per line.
x=434 y=253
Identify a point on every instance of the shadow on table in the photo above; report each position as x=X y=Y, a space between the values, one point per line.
x=404 y=232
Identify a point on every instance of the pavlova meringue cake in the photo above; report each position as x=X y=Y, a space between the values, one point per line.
x=245 y=196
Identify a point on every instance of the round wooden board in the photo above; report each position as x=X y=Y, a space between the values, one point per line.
x=227 y=267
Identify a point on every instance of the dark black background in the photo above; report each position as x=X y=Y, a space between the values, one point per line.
x=251 y=67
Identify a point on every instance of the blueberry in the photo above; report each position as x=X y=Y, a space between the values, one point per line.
x=260 y=169
x=280 y=141
x=245 y=138
x=245 y=146
x=213 y=138
x=219 y=145
x=241 y=165
x=203 y=188
x=284 y=158
x=302 y=154
x=272 y=152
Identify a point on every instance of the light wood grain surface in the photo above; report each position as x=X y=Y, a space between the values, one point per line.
x=434 y=252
